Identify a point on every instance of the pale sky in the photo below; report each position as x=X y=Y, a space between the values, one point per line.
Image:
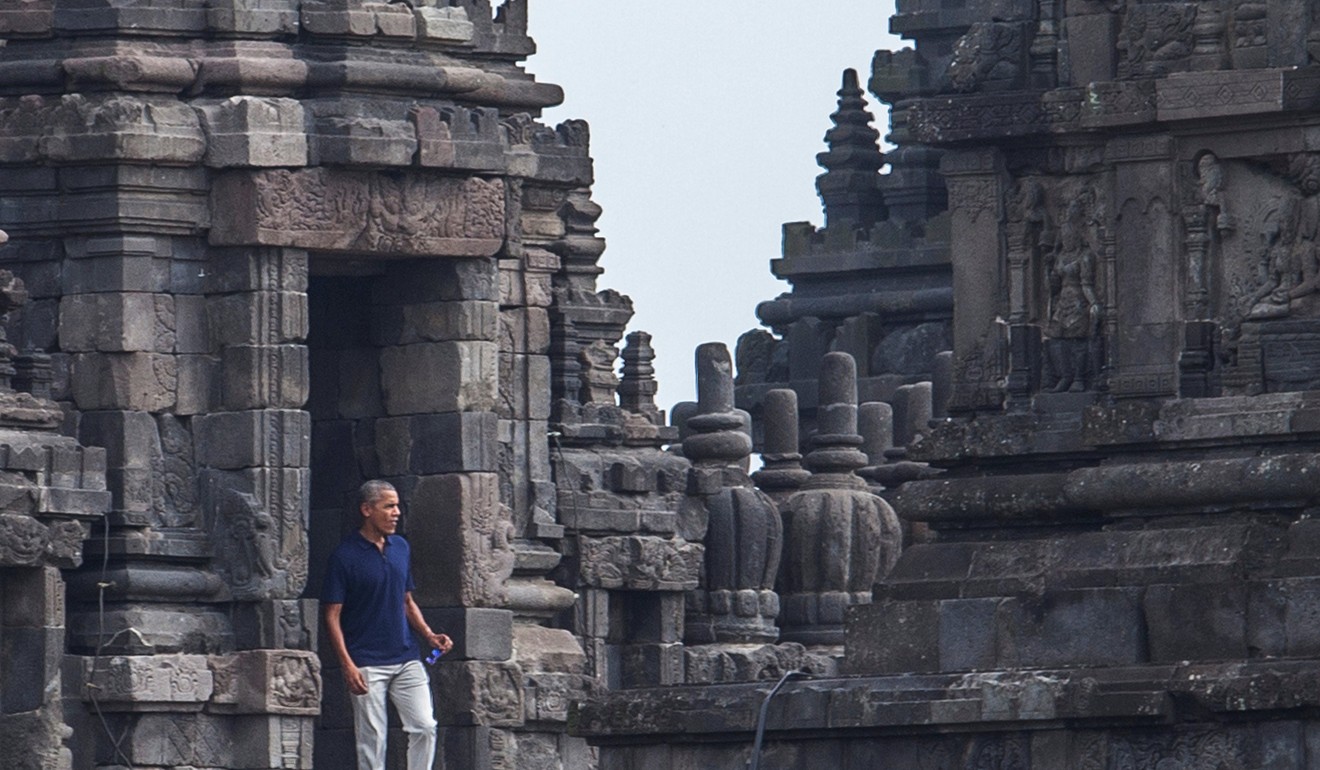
x=706 y=117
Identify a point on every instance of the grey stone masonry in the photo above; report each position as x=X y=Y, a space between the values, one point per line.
x=1108 y=485
x=276 y=248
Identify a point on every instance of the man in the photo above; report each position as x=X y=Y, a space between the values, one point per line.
x=368 y=604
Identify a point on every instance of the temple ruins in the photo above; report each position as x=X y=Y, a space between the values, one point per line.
x=1038 y=450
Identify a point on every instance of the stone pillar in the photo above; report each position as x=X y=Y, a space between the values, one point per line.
x=781 y=473
x=736 y=601
x=835 y=543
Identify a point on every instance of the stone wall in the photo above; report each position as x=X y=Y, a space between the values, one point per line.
x=1107 y=561
x=275 y=249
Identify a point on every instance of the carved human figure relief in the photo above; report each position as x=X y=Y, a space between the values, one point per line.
x=1073 y=312
x=598 y=378
x=1210 y=179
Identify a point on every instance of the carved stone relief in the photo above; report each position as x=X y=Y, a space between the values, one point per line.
x=1156 y=38
x=402 y=213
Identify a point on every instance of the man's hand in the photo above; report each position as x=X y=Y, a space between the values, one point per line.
x=357 y=684
x=441 y=642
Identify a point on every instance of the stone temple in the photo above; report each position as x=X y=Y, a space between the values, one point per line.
x=1038 y=417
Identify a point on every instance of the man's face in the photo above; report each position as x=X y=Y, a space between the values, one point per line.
x=382 y=514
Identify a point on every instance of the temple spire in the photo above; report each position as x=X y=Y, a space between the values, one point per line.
x=849 y=188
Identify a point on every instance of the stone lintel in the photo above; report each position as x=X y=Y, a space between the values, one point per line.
x=1165 y=486
x=407 y=214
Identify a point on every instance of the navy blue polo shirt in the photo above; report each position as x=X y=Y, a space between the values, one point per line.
x=371 y=586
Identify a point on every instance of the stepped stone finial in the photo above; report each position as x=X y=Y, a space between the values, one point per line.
x=638 y=386
x=849 y=188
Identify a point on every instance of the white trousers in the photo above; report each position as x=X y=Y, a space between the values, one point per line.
x=409 y=689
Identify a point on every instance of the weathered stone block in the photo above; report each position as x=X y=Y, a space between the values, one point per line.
x=640 y=563
x=267 y=682
x=393 y=20
x=191 y=330
x=336 y=17
x=357 y=382
x=267 y=438
x=462 y=530
x=478 y=633
x=134 y=381
x=448 y=25
x=153 y=128
x=651 y=665
x=439 y=377
x=129 y=439
x=350 y=141
x=434 y=322
x=258 y=318
x=31 y=18
x=1099 y=626
x=323 y=208
x=283 y=741
x=137 y=683
x=478 y=693
x=262 y=17
x=477 y=746
x=892 y=636
x=255 y=269
x=117 y=322
x=277 y=624
x=82 y=503
x=30 y=665
x=254 y=131
x=438 y=280
x=1196 y=622
x=34 y=598
x=264 y=376
x=199 y=384
x=437 y=443
x=38 y=326
x=525 y=330
x=967 y=634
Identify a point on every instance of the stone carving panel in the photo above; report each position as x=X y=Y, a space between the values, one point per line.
x=22 y=541
x=137 y=682
x=267 y=682
x=640 y=563
x=398 y=214
x=1264 y=230
x=261 y=547
x=1156 y=38
x=991 y=56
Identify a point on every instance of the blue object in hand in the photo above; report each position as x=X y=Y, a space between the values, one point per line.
x=436 y=652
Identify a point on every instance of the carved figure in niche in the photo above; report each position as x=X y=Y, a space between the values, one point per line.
x=1305 y=259
x=598 y=378
x=250 y=541
x=1274 y=266
x=1156 y=38
x=1027 y=207
x=1073 y=326
x=1210 y=178
x=990 y=56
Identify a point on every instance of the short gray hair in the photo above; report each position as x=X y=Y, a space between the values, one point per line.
x=373 y=490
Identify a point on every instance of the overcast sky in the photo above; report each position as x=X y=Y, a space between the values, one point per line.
x=706 y=117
